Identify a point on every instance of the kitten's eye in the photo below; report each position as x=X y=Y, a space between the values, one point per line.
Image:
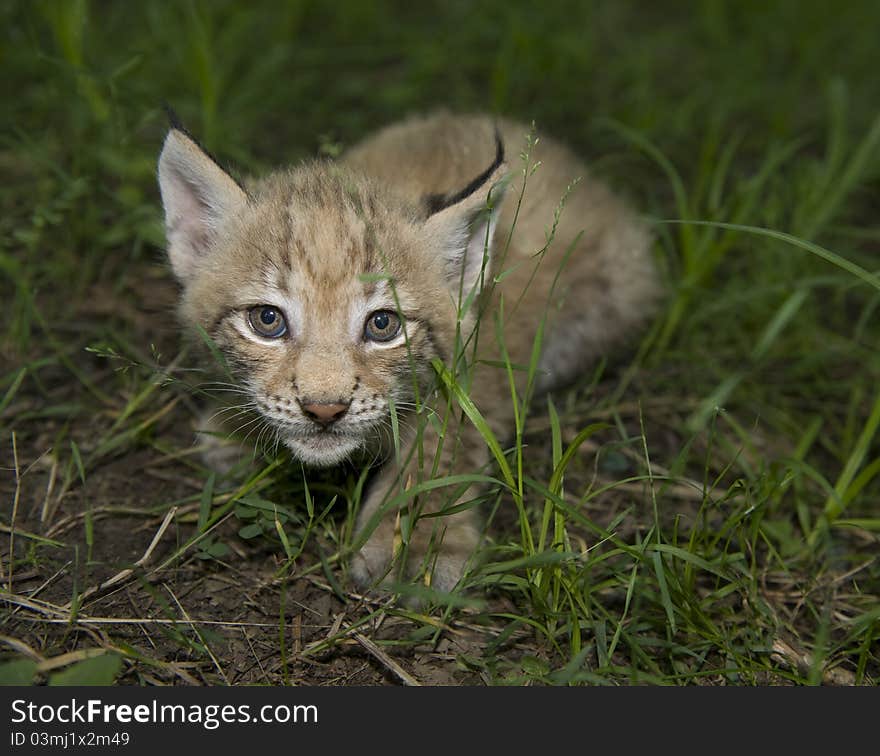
x=382 y=325
x=267 y=321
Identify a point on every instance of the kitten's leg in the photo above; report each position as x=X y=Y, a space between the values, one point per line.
x=372 y=563
x=439 y=547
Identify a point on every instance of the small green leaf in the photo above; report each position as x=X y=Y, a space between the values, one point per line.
x=18 y=672
x=531 y=665
x=251 y=531
x=279 y=528
x=245 y=513
x=99 y=670
x=214 y=550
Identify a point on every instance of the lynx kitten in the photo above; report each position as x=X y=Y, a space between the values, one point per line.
x=337 y=290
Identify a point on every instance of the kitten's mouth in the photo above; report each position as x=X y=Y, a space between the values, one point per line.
x=325 y=448
x=320 y=445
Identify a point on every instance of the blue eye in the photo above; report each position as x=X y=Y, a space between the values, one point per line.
x=382 y=325
x=267 y=321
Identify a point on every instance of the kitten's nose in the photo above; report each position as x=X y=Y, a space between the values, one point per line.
x=325 y=413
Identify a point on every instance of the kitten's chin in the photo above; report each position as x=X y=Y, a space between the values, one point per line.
x=323 y=450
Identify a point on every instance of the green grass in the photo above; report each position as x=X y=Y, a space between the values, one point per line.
x=703 y=511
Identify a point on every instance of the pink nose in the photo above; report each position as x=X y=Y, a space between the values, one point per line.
x=324 y=413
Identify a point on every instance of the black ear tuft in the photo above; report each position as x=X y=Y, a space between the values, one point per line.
x=173 y=119
x=437 y=202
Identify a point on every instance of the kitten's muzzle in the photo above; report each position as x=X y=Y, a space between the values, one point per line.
x=324 y=413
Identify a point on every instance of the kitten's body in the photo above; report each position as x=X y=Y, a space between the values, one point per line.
x=330 y=246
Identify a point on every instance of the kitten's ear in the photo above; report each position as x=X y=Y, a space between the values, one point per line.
x=464 y=231
x=198 y=197
x=463 y=225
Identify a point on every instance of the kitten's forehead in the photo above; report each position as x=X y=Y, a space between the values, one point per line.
x=328 y=244
x=327 y=263
x=335 y=225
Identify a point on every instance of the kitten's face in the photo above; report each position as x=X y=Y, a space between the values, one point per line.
x=328 y=308
x=327 y=296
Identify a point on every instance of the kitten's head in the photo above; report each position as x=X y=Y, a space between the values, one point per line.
x=327 y=294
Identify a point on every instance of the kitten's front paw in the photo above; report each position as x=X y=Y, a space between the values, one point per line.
x=369 y=567
x=439 y=566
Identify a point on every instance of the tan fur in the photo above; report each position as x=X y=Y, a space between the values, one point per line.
x=302 y=239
